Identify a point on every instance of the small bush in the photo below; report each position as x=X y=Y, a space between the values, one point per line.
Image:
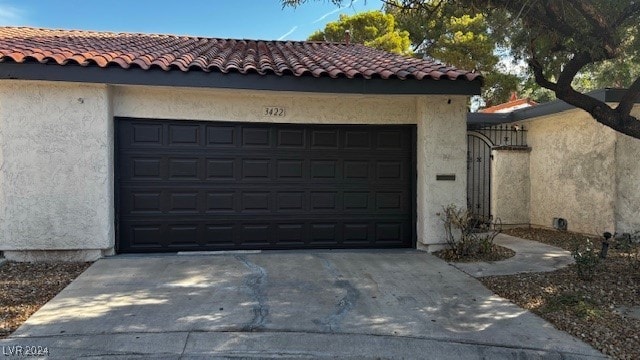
x=466 y=235
x=587 y=259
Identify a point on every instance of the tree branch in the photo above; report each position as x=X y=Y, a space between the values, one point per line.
x=571 y=69
x=630 y=97
x=538 y=72
x=599 y=23
x=629 y=12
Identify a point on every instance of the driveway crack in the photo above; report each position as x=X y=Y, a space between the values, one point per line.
x=345 y=304
x=256 y=282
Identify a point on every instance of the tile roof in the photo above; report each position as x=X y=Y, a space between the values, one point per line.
x=186 y=53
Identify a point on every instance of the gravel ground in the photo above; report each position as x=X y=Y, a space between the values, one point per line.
x=497 y=253
x=25 y=287
x=588 y=310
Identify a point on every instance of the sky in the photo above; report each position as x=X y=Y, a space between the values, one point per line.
x=248 y=19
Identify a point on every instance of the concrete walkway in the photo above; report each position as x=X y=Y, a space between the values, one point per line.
x=294 y=304
x=531 y=256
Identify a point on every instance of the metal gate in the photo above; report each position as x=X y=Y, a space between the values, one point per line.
x=481 y=140
x=479 y=176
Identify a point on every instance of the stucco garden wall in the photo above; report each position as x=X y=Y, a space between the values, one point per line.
x=573 y=172
x=56 y=189
x=56 y=152
x=510 y=186
x=628 y=181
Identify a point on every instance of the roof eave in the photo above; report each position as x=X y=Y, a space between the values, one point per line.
x=478 y=119
x=199 y=79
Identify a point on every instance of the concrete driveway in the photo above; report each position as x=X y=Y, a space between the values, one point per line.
x=303 y=304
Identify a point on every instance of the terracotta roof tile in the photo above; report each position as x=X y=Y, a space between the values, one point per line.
x=183 y=53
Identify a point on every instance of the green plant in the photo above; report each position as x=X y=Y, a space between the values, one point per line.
x=587 y=259
x=465 y=234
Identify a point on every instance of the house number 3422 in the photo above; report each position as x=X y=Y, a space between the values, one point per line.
x=273 y=111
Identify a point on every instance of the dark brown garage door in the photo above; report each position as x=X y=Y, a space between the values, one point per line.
x=186 y=185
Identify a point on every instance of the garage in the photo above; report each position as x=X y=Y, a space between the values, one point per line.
x=145 y=143
x=206 y=185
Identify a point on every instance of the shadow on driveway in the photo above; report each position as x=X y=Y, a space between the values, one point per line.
x=376 y=304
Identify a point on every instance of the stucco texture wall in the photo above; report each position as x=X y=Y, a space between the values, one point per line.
x=56 y=189
x=572 y=167
x=628 y=181
x=510 y=186
x=56 y=150
x=442 y=149
x=232 y=105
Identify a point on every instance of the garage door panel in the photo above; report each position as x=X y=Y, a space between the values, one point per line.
x=141 y=202
x=184 y=135
x=221 y=201
x=287 y=201
x=220 y=235
x=391 y=139
x=356 y=169
x=221 y=136
x=389 y=232
x=324 y=201
x=220 y=169
x=144 y=236
x=184 y=203
x=324 y=233
x=324 y=169
x=144 y=135
x=255 y=233
x=357 y=139
x=187 y=185
x=291 y=234
x=357 y=200
x=324 y=139
x=256 y=169
x=389 y=170
x=256 y=201
x=253 y=137
x=358 y=233
x=290 y=169
x=291 y=138
x=183 y=169
x=182 y=235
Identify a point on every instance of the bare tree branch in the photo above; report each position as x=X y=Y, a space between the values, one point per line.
x=630 y=97
x=541 y=79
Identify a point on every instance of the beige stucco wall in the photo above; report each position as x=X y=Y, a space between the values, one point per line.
x=510 y=186
x=442 y=149
x=628 y=181
x=56 y=187
x=56 y=151
x=230 y=105
x=573 y=172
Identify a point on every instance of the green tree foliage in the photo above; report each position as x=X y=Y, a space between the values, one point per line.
x=563 y=42
x=373 y=28
x=449 y=35
x=570 y=45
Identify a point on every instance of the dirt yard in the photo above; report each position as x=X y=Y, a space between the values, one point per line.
x=25 y=287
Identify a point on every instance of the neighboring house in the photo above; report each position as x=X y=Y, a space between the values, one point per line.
x=153 y=143
x=512 y=105
x=565 y=165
